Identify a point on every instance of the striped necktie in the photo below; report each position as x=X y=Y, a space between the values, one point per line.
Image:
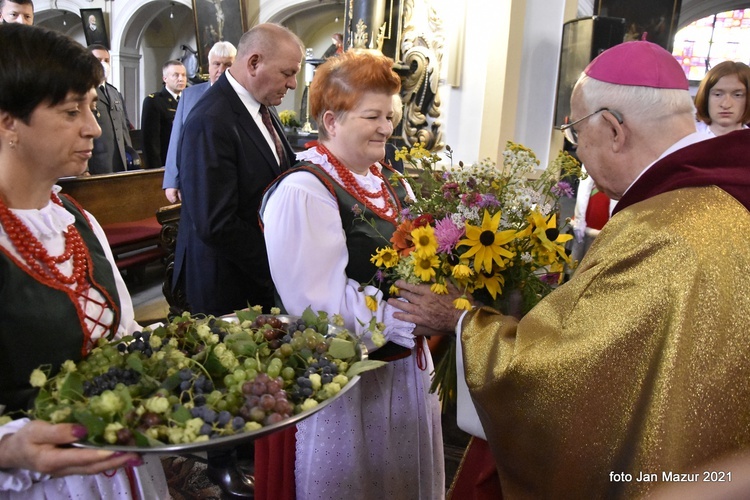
x=266 y=117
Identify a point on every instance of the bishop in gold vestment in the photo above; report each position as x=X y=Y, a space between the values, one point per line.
x=635 y=373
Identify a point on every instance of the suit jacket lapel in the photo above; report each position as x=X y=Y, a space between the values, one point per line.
x=247 y=123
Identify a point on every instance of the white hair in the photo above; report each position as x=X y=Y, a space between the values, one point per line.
x=639 y=104
x=222 y=49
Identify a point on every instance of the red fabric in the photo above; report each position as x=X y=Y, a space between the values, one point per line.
x=723 y=161
x=120 y=233
x=144 y=257
x=597 y=211
x=477 y=477
x=274 y=465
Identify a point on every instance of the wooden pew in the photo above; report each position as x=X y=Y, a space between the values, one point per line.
x=125 y=204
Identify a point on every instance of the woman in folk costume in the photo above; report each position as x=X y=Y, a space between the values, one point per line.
x=60 y=289
x=323 y=221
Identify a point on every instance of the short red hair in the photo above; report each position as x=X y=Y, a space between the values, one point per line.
x=342 y=80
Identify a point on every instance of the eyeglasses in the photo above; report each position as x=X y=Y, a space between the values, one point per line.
x=570 y=133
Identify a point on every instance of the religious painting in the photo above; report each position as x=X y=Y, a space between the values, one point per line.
x=216 y=21
x=654 y=20
x=94 y=27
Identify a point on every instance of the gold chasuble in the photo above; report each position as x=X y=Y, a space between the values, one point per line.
x=634 y=372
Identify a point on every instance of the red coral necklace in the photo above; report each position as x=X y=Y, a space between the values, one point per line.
x=388 y=212
x=36 y=257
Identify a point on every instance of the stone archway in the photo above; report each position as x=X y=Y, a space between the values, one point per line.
x=144 y=36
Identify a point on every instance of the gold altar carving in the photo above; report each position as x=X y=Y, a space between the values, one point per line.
x=422 y=45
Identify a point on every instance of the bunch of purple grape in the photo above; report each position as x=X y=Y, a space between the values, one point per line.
x=109 y=380
x=194 y=387
x=213 y=420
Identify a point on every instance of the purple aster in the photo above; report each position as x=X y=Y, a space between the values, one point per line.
x=379 y=275
x=488 y=201
x=447 y=234
x=562 y=188
x=406 y=214
x=471 y=199
x=550 y=278
x=356 y=209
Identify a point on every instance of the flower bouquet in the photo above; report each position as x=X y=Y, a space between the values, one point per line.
x=200 y=381
x=288 y=119
x=490 y=231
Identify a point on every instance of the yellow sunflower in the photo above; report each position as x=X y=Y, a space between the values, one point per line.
x=487 y=242
x=461 y=271
x=439 y=288
x=546 y=236
x=462 y=303
x=492 y=282
x=424 y=241
x=424 y=267
x=371 y=302
x=385 y=257
x=393 y=291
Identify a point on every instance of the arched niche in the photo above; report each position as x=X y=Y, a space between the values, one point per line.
x=312 y=20
x=152 y=33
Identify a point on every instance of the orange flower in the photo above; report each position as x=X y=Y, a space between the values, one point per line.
x=401 y=239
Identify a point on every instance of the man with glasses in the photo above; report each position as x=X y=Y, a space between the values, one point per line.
x=635 y=373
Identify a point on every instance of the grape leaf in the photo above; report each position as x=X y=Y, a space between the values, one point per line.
x=363 y=366
x=248 y=314
x=181 y=415
x=93 y=424
x=171 y=382
x=319 y=320
x=213 y=366
x=72 y=387
x=143 y=441
x=135 y=363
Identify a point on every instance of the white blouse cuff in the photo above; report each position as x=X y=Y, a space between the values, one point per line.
x=397 y=331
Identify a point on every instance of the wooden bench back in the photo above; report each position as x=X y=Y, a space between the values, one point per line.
x=121 y=197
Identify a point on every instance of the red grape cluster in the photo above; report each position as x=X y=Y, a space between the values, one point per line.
x=265 y=400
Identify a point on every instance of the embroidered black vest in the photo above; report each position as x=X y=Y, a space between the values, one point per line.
x=365 y=232
x=39 y=325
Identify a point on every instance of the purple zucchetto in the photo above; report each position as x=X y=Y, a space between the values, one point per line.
x=641 y=63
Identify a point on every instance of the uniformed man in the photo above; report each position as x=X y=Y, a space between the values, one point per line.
x=110 y=149
x=158 y=114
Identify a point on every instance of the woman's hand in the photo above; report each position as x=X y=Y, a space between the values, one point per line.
x=37 y=446
x=434 y=314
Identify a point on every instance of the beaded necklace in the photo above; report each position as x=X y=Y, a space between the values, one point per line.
x=389 y=210
x=43 y=267
x=36 y=257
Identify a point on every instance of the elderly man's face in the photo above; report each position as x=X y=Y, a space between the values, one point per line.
x=593 y=149
x=273 y=76
x=16 y=13
x=217 y=66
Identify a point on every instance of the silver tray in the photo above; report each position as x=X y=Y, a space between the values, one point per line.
x=237 y=439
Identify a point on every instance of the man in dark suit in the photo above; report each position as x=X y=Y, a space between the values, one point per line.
x=227 y=156
x=110 y=149
x=158 y=114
